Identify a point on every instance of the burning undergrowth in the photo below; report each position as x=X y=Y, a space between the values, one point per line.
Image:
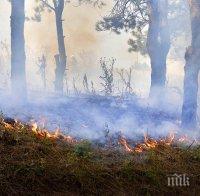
x=114 y=141
x=34 y=160
x=92 y=146
x=105 y=121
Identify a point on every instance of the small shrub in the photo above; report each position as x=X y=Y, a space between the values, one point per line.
x=83 y=149
x=107 y=67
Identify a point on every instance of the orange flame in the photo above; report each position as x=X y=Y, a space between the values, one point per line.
x=148 y=143
x=124 y=143
x=43 y=133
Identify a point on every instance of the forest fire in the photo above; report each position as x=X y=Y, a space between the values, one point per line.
x=150 y=143
x=43 y=133
x=85 y=112
x=138 y=147
x=147 y=144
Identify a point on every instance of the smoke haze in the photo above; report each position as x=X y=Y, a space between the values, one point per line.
x=82 y=39
x=85 y=46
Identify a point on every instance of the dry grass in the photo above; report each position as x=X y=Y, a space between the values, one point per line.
x=30 y=164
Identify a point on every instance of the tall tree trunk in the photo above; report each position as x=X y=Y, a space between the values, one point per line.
x=18 y=73
x=61 y=63
x=158 y=44
x=192 y=66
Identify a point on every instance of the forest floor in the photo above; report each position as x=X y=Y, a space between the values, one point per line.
x=34 y=164
x=94 y=159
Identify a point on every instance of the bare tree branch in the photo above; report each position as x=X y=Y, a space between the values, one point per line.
x=48 y=5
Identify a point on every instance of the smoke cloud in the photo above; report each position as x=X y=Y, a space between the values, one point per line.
x=87 y=118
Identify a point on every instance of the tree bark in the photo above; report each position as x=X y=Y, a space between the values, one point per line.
x=158 y=44
x=61 y=63
x=18 y=73
x=192 y=66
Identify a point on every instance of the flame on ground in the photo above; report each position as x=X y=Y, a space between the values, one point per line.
x=44 y=133
x=148 y=143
